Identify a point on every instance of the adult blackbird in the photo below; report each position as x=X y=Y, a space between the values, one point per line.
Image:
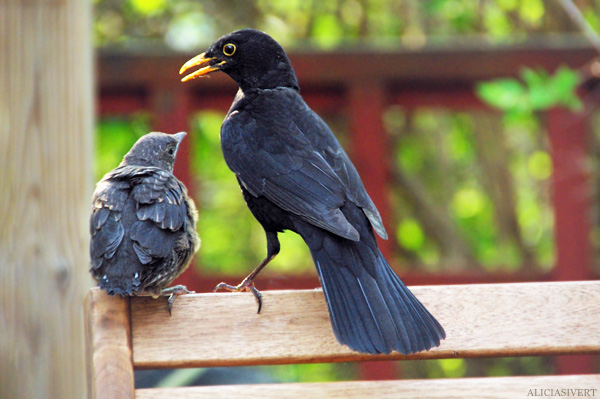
x=294 y=175
x=143 y=223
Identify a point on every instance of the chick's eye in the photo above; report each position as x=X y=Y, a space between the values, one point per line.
x=229 y=49
x=171 y=150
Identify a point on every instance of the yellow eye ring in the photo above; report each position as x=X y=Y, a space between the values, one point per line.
x=229 y=49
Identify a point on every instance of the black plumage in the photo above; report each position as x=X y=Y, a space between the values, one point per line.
x=143 y=224
x=294 y=175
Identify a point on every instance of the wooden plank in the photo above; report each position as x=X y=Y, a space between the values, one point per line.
x=121 y=102
x=46 y=126
x=272 y=280
x=223 y=329
x=436 y=64
x=488 y=388
x=108 y=346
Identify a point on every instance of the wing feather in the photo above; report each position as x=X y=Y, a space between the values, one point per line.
x=294 y=176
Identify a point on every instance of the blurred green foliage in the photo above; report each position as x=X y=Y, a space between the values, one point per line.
x=459 y=368
x=189 y=24
x=318 y=372
x=457 y=170
x=114 y=137
x=537 y=90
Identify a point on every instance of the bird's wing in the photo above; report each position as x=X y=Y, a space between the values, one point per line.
x=160 y=208
x=161 y=211
x=321 y=136
x=106 y=227
x=160 y=197
x=283 y=166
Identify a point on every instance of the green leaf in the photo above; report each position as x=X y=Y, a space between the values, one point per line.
x=564 y=85
x=537 y=86
x=504 y=94
x=540 y=92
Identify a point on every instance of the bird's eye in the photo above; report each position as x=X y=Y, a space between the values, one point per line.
x=229 y=49
x=171 y=150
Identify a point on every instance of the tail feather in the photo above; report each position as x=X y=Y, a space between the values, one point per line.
x=436 y=332
x=373 y=312
x=350 y=327
x=118 y=281
x=122 y=289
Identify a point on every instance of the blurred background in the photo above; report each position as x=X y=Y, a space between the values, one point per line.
x=473 y=123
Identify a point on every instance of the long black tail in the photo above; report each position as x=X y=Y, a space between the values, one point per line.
x=371 y=310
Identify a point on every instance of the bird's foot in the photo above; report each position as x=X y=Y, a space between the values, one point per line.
x=173 y=292
x=246 y=285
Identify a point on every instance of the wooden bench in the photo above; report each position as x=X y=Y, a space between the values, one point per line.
x=223 y=329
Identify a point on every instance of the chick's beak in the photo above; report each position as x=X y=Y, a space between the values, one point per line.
x=199 y=61
x=179 y=137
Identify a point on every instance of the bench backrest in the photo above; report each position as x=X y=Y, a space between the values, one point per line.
x=210 y=330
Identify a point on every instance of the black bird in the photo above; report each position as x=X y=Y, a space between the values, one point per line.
x=294 y=175
x=143 y=223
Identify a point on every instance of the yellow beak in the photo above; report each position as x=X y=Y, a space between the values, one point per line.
x=199 y=61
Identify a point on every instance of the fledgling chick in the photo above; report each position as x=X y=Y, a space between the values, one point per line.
x=143 y=224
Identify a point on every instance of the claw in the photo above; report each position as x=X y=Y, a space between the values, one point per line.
x=173 y=293
x=258 y=297
x=170 y=301
x=243 y=286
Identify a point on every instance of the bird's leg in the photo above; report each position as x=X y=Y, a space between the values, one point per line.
x=173 y=292
x=248 y=283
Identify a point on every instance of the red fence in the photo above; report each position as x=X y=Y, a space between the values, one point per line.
x=364 y=84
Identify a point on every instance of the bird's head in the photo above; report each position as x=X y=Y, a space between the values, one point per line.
x=154 y=149
x=251 y=57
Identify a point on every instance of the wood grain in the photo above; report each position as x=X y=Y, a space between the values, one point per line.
x=484 y=388
x=223 y=329
x=108 y=347
x=46 y=104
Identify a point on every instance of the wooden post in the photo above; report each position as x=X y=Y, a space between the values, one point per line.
x=371 y=155
x=370 y=148
x=568 y=133
x=169 y=105
x=46 y=181
x=170 y=111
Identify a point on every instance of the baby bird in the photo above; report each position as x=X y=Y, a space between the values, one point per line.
x=143 y=224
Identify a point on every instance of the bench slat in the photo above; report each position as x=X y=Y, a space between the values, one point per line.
x=488 y=388
x=108 y=346
x=223 y=329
